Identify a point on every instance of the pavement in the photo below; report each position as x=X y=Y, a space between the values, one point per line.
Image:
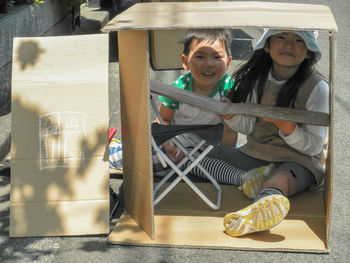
x=96 y=249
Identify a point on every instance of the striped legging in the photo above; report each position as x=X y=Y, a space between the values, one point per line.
x=223 y=172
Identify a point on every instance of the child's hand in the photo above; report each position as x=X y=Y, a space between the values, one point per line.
x=174 y=153
x=287 y=127
x=226 y=100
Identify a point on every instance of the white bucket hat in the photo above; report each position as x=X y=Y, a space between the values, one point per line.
x=309 y=38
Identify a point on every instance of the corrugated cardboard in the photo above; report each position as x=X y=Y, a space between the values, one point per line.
x=179 y=222
x=59 y=169
x=161 y=41
x=306 y=227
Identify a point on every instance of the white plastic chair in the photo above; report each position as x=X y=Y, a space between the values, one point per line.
x=195 y=155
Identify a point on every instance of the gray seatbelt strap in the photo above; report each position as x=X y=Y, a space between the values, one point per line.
x=247 y=109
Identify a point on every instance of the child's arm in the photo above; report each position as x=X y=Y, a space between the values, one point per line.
x=166 y=114
x=287 y=127
x=238 y=123
x=308 y=139
x=172 y=151
x=229 y=137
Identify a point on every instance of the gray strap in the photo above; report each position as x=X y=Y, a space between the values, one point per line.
x=248 y=109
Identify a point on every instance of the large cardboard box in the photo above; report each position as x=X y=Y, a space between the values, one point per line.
x=180 y=219
x=59 y=162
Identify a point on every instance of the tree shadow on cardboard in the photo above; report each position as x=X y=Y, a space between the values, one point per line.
x=54 y=180
x=29 y=53
x=14 y=249
x=51 y=187
x=63 y=180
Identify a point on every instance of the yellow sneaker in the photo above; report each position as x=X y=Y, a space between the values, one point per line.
x=264 y=214
x=253 y=180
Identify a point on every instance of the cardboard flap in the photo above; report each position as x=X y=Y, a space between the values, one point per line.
x=223 y=14
x=134 y=104
x=59 y=164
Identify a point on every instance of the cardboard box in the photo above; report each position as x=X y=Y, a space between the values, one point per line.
x=59 y=154
x=175 y=221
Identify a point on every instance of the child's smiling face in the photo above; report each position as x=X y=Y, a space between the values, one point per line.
x=208 y=61
x=287 y=49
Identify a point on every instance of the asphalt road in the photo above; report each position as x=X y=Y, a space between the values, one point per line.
x=96 y=249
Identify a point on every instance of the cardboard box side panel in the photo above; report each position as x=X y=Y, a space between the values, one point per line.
x=328 y=183
x=59 y=138
x=59 y=182
x=329 y=161
x=133 y=63
x=55 y=83
x=59 y=218
x=328 y=192
x=223 y=14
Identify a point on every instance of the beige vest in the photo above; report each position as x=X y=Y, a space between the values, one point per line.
x=266 y=144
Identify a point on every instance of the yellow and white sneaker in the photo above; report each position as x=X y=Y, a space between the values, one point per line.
x=254 y=179
x=264 y=214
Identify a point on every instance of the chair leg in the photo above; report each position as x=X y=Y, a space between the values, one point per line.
x=115 y=197
x=182 y=176
x=175 y=168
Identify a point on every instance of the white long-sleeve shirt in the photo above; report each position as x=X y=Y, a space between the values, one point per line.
x=307 y=139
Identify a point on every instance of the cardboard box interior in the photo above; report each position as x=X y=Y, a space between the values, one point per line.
x=59 y=161
x=174 y=221
x=179 y=222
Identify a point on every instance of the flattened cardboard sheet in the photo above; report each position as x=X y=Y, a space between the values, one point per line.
x=134 y=107
x=59 y=162
x=179 y=222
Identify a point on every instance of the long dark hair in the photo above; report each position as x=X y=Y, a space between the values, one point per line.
x=254 y=73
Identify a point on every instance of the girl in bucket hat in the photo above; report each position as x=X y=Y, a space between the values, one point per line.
x=282 y=158
x=280 y=72
x=308 y=37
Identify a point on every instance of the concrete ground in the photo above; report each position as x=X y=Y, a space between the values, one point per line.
x=96 y=249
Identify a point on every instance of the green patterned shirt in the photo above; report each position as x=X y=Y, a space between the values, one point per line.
x=186 y=82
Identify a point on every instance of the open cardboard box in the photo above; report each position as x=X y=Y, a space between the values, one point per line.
x=59 y=143
x=176 y=221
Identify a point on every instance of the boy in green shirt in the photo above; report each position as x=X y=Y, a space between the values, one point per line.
x=207 y=55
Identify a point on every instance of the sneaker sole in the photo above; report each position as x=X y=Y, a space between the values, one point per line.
x=264 y=214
